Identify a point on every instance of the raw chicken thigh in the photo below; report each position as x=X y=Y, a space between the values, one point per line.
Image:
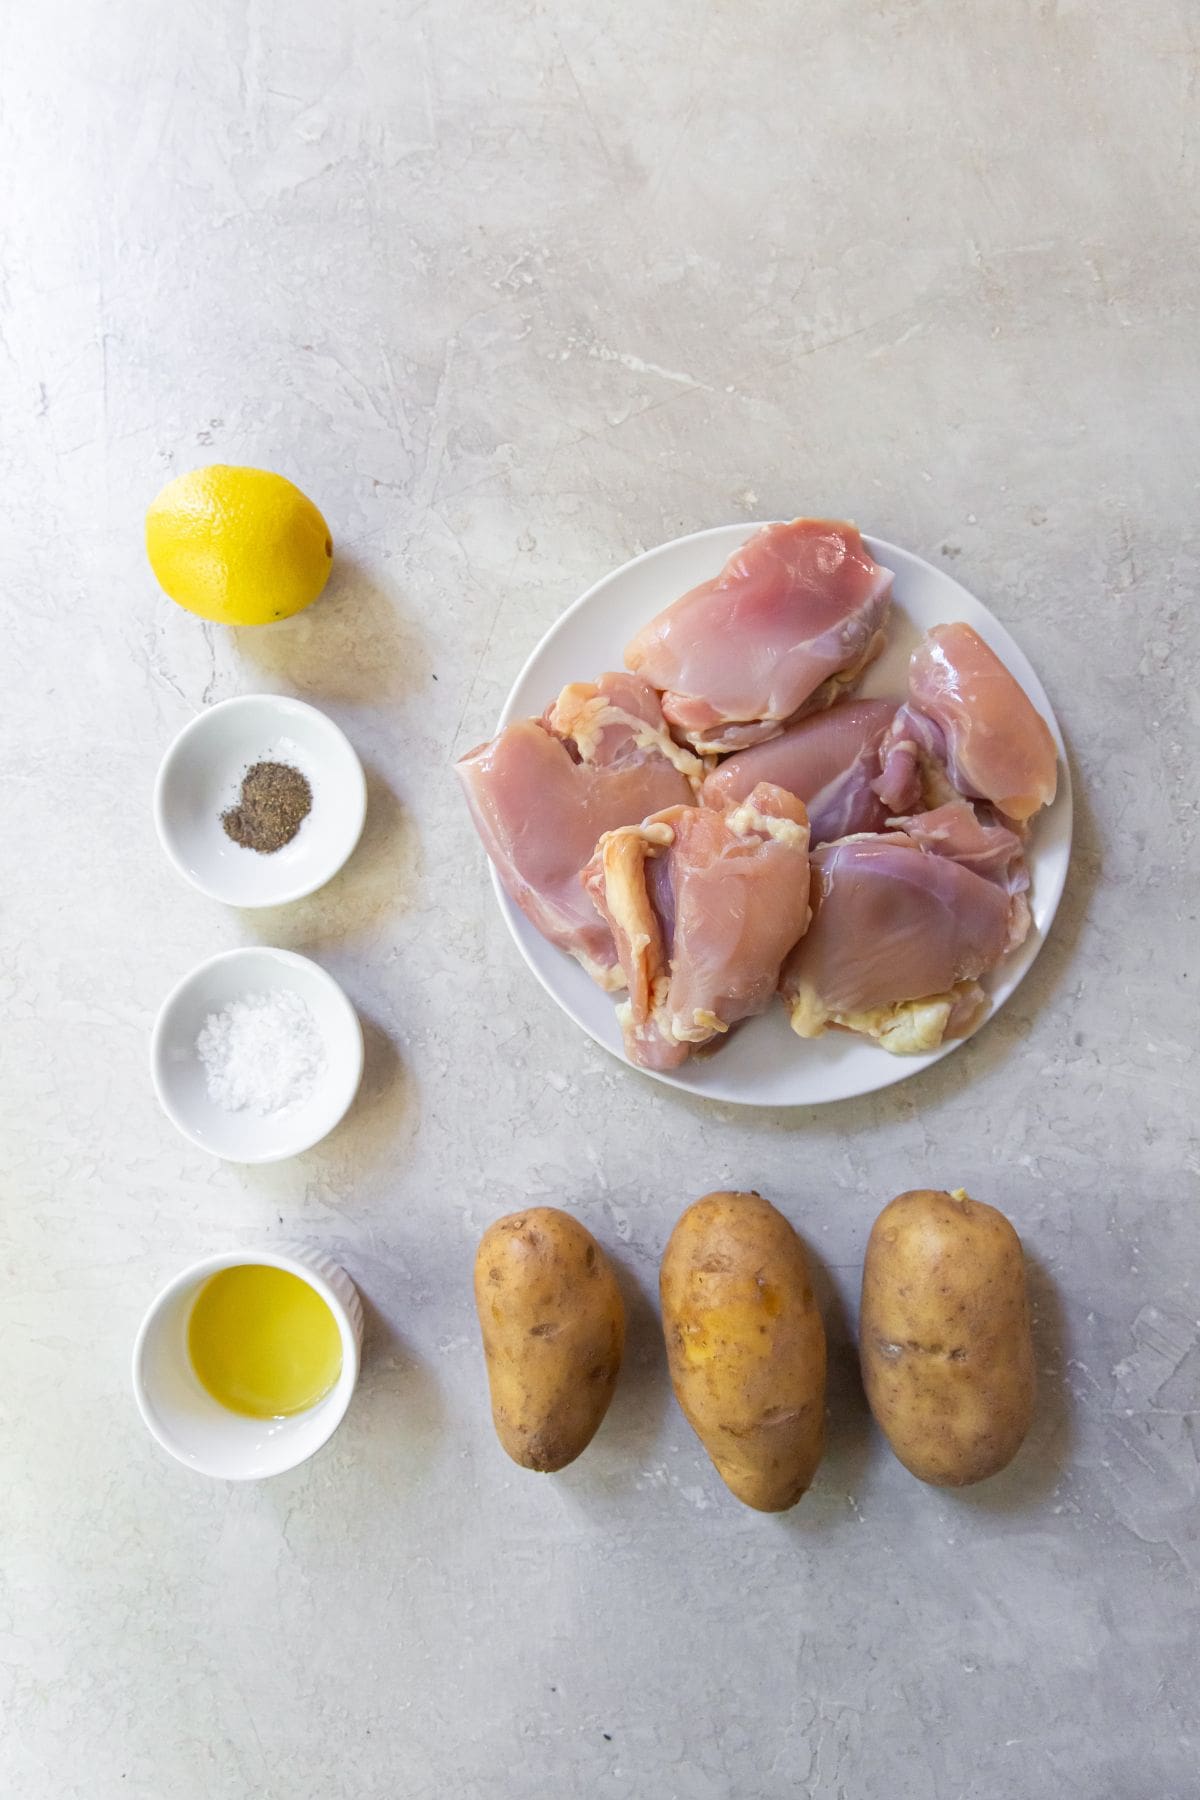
x=829 y=761
x=790 y=623
x=972 y=836
x=703 y=906
x=912 y=765
x=898 y=939
x=544 y=791
x=969 y=726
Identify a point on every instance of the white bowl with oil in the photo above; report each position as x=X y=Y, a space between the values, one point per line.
x=200 y=779
x=196 y=1428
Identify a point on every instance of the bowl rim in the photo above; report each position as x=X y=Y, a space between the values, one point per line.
x=355 y=809
x=290 y=959
x=193 y=1275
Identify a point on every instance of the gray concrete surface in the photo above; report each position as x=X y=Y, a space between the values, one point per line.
x=514 y=290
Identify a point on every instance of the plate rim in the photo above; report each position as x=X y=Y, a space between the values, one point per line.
x=896 y=1068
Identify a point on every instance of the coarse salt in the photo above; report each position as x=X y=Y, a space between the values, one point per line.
x=261 y=1053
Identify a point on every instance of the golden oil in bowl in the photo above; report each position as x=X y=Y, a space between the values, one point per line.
x=263 y=1342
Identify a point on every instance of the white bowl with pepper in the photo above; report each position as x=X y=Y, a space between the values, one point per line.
x=260 y=800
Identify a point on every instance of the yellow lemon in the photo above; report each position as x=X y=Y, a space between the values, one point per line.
x=241 y=546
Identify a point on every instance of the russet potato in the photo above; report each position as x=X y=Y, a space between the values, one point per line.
x=746 y=1346
x=945 y=1338
x=553 y=1325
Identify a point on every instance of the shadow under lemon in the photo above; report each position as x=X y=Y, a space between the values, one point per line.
x=354 y=643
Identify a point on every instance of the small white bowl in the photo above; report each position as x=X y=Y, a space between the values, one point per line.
x=197 y=1429
x=179 y=1076
x=201 y=776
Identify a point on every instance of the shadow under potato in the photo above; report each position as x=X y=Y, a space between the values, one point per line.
x=853 y=1438
x=848 y=1422
x=849 y=1427
x=629 y=1437
x=1036 y=1469
x=631 y=1433
x=1041 y=1462
x=643 y=1393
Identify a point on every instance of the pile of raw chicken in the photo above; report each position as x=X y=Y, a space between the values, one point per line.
x=722 y=822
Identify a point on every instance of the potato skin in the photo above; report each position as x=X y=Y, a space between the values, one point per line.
x=945 y=1336
x=746 y=1346
x=553 y=1325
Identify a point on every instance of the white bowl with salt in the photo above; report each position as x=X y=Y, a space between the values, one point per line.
x=256 y=1055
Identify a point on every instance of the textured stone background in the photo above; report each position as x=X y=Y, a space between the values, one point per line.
x=515 y=290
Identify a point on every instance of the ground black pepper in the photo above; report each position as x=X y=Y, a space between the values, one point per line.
x=275 y=801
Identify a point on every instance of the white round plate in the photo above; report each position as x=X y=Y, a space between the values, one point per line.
x=764 y=1063
x=201 y=775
